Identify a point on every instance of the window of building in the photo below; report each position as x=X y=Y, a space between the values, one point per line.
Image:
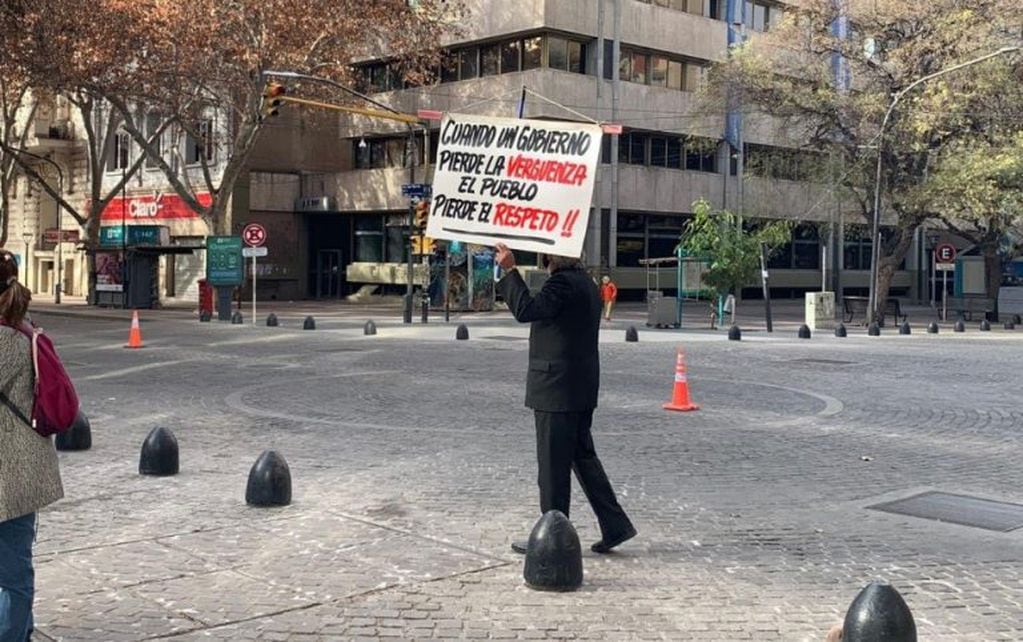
x=631 y=244
x=658 y=151
x=369 y=239
x=675 y=75
x=153 y=122
x=694 y=77
x=640 y=68
x=576 y=57
x=449 y=68
x=510 y=56
x=490 y=60
x=201 y=149
x=557 y=53
x=663 y=233
x=396 y=249
x=658 y=71
x=625 y=65
x=632 y=148
x=468 y=63
x=803 y=252
x=119 y=152
x=759 y=16
x=708 y=8
x=701 y=154
x=609 y=60
x=532 y=53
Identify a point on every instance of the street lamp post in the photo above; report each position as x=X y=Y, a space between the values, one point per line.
x=412 y=165
x=872 y=303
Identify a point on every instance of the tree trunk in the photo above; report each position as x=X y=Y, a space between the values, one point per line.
x=891 y=256
x=992 y=273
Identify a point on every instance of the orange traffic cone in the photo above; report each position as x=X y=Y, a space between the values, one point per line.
x=135 y=335
x=680 y=395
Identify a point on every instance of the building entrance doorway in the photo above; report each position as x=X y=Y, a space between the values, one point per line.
x=329 y=274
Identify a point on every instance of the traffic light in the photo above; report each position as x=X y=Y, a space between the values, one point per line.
x=422 y=214
x=272 y=98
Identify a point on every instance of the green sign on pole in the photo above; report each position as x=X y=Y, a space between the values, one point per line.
x=224 y=265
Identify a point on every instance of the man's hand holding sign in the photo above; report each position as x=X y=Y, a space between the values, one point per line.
x=525 y=183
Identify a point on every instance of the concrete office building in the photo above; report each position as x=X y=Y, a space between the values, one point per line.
x=634 y=62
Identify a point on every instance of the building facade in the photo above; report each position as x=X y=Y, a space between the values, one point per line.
x=328 y=190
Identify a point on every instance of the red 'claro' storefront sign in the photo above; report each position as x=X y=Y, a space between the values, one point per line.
x=150 y=208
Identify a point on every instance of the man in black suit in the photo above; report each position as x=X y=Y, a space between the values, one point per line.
x=561 y=388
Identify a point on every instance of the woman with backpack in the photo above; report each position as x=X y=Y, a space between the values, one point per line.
x=29 y=475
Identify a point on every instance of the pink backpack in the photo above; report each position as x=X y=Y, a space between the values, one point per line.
x=56 y=402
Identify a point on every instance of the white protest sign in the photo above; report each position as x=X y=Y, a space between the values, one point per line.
x=525 y=183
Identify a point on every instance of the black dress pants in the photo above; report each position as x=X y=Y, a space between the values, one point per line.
x=564 y=444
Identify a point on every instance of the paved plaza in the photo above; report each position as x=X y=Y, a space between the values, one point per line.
x=413 y=468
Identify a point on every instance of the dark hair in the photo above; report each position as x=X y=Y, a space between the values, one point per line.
x=14 y=297
x=553 y=262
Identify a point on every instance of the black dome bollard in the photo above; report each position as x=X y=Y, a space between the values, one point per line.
x=159 y=453
x=1009 y=325
x=631 y=335
x=879 y=614
x=840 y=331
x=734 y=333
x=269 y=481
x=804 y=331
x=554 y=560
x=985 y=326
x=873 y=330
x=932 y=328
x=309 y=323
x=905 y=329
x=205 y=316
x=78 y=436
x=369 y=329
x=271 y=321
x=236 y=318
x=462 y=333
x=959 y=326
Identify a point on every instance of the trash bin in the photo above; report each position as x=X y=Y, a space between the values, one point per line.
x=205 y=297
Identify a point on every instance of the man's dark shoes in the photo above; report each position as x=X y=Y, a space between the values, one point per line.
x=520 y=547
x=605 y=546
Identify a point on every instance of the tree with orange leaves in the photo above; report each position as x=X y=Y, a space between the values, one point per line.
x=204 y=59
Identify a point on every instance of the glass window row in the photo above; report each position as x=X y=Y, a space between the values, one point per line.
x=692 y=153
x=506 y=56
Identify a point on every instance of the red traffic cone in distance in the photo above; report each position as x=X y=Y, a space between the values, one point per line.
x=680 y=393
x=135 y=334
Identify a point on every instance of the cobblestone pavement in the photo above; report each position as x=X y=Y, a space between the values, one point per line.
x=412 y=464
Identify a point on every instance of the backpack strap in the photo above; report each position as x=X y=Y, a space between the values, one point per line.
x=33 y=336
x=17 y=412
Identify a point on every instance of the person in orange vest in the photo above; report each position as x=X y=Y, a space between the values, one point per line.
x=608 y=294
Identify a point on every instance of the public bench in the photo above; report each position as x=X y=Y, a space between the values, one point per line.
x=965 y=306
x=857 y=306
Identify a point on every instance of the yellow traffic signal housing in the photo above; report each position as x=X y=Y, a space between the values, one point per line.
x=422 y=244
x=422 y=214
x=272 y=98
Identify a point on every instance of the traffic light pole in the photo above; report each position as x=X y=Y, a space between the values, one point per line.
x=389 y=113
x=411 y=216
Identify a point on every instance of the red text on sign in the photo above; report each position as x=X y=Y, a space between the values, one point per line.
x=531 y=218
x=548 y=171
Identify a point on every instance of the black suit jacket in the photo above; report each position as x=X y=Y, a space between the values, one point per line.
x=564 y=363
